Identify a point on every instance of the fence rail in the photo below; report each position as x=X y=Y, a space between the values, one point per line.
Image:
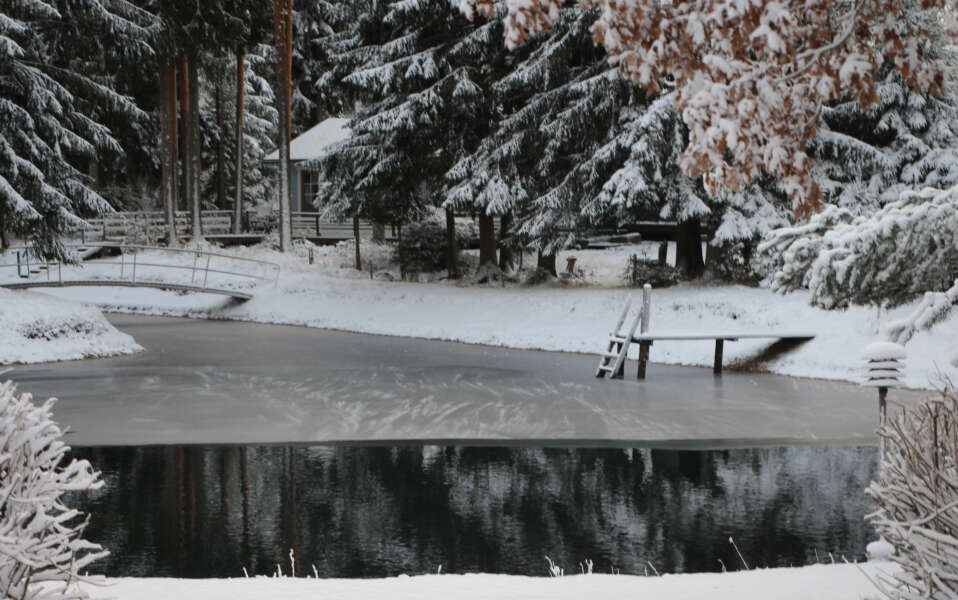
x=151 y=225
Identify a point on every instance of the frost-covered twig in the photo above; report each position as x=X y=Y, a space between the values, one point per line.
x=39 y=541
x=917 y=496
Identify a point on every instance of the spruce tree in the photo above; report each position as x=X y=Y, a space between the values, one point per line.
x=422 y=72
x=49 y=127
x=557 y=107
x=865 y=158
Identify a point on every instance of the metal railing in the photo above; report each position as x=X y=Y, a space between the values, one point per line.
x=203 y=264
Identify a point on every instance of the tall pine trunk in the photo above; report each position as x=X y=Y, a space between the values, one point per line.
x=487 y=240
x=194 y=155
x=184 y=83
x=282 y=26
x=240 y=124
x=688 y=248
x=451 y=253
x=506 y=259
x=220 y=151
x=168 y=147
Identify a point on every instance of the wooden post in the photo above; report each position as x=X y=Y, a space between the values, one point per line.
x=359 y=263
x=644 y=327
x=717 y=365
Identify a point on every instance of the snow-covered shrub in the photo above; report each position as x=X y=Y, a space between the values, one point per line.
x=640 y=271
x=917 y=497
x=42 y=550
x=422 y=248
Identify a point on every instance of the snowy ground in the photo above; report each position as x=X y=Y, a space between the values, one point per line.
x=832 y=582
x=35 y=328
x=574 y=317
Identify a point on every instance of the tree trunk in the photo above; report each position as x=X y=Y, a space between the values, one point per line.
x=240 y=124
x=168 y=149
x=379 y=232
x=194 y=155
x=359 y=262
x=185 y=199
x=487 y=240
x=688 y=248
x=547 y=262
x=282 y=26
x=506 y=259
x=220 y=151
x=451 y=250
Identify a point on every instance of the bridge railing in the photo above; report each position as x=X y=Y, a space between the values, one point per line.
x=190 y=267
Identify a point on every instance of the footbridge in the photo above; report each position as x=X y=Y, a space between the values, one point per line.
x=174 y=269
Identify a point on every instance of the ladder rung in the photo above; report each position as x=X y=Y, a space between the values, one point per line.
x=611 y=355
x=605 y=367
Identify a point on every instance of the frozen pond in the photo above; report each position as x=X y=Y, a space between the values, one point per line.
x=213 y=382
x=366 y=511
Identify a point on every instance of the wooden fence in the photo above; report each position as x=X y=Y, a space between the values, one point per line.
x=151 y=225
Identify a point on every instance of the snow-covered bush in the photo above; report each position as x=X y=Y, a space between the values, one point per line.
x=917 y=496
x=42 y=550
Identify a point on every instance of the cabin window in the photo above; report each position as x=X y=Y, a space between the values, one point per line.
x=309 y=181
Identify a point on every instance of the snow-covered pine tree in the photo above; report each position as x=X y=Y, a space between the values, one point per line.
x=49 y=130
x=557 y=114
x=259 y=126
x=421 y=71
x=882 y=241
x=321 y=27
x=865 y=158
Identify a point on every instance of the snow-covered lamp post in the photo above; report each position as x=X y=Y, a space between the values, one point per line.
x=884 y=362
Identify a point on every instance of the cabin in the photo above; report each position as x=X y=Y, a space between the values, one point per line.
x=303 y=183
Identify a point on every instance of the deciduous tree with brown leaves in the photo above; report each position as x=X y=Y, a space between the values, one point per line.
x=751 y=75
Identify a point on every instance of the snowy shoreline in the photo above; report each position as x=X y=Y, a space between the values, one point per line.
x=823 y=582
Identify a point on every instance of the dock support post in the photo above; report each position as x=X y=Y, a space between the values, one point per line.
x=717 y=366
x=644 y=327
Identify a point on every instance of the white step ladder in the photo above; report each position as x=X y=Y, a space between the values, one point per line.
x=612 y=361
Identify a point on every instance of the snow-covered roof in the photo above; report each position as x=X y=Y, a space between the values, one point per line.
x=311 y=143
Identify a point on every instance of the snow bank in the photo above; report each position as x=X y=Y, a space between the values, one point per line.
x=39 y=328
x=328 y=294
x=832 y=582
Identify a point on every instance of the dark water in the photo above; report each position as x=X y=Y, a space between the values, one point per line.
x=378 y=511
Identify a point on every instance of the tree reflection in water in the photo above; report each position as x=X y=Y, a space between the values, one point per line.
x=368 y=511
